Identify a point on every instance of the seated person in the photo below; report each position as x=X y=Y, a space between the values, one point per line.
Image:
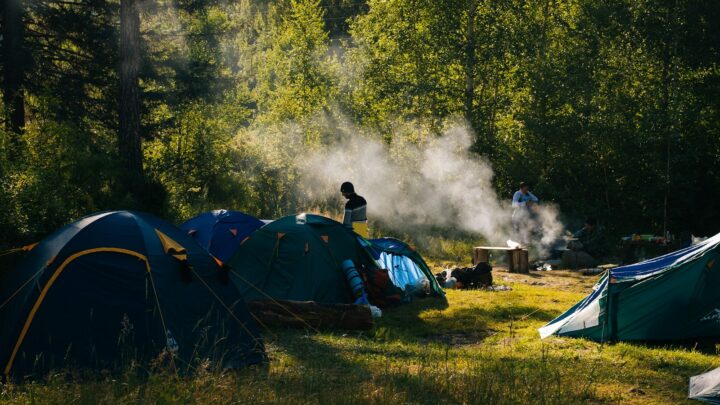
x=587 y=248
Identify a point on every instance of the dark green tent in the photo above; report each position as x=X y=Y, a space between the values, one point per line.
x=672 y=297
x=120 y=286
x=299 y=258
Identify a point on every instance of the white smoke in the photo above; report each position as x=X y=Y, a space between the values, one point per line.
x=434 y=181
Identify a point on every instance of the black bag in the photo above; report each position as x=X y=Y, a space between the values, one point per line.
x=474 y=277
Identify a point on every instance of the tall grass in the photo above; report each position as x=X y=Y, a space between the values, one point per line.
x=478 y=347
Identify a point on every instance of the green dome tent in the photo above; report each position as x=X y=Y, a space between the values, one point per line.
x=299 y=258
x=672 y=297
x=119 y=286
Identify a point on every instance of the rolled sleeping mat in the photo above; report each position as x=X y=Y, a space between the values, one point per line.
x=357 y=286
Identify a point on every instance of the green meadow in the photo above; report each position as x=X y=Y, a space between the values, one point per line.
x=478 y=347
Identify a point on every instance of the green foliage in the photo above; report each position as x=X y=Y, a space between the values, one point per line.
x=63 y=175
x=294 y=80
x=591 y=101
x=192 y=159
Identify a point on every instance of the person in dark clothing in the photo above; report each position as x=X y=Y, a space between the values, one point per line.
x=588 y=247
x=592 y=237
x=355 y=210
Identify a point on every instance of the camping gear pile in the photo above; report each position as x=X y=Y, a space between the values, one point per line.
x=124 y=287
x=466 y=278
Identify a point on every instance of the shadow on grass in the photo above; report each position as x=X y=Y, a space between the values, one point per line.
x=425 y=321
x=326 y=368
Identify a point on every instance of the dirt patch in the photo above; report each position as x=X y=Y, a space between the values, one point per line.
x=555 y=279
x=563 y=280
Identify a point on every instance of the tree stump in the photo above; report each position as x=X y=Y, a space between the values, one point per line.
x=480 y=255
x=517 y=259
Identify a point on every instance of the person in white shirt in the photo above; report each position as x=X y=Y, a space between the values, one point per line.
x=522 y=203
x=523 y=198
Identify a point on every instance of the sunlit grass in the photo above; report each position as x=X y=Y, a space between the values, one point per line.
x=479 y=347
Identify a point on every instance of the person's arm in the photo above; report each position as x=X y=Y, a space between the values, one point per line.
x=532 y=197
x=516 y=200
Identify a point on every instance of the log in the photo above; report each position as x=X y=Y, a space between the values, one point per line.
x=306 y=314
x=518 y=261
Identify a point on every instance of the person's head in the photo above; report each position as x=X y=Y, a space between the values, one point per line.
x=347 y=189
x=590 y=223
x=524 y=187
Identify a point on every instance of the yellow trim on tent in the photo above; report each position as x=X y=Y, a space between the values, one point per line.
x=29 y=247
x=169 y=245
x=49 y=284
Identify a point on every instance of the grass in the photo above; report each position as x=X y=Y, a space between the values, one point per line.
x=479 y=347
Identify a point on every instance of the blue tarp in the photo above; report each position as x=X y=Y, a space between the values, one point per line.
x=662 y=263
x=403 y=271
x=404 y=264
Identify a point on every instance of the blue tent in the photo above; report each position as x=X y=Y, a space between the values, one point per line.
x=221 y=232
x=404 y=264
x=120 y=286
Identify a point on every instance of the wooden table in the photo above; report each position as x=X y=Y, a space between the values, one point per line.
x=517 y=257
x=634 y=251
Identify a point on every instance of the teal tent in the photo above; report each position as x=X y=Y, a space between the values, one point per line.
x=300 y=258
x=672 y=297
x=116 y=287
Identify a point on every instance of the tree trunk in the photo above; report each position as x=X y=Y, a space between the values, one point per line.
x=669 y=81
x=13 y=59
x=129 y=142
x=470 y=61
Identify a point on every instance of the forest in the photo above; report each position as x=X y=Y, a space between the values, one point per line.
x=610 y=108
